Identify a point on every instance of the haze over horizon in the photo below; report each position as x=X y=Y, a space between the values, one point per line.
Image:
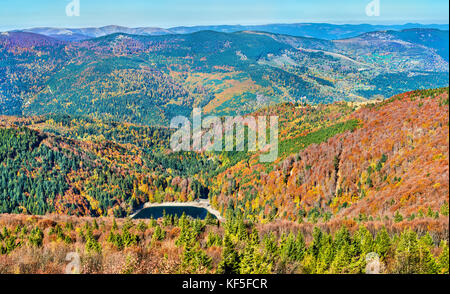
x=237 y=24
x=25 y=14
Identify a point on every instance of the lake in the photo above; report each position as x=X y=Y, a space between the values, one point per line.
x=158 y=212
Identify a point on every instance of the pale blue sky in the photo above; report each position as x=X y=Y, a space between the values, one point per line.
x=16 y=14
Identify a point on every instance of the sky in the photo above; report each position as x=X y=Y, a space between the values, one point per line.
x=19 y=14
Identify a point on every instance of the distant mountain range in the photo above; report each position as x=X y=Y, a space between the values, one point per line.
x=149 y=79
x=310 y=30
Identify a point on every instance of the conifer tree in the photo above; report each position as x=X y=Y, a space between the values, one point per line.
x=301 y=246
x=316 y=243
x=230 y=258
x=159 y=234
x=407 y=255
x=365 y=240
x=114 y=225
x=428 y=264
x=341 y=261
x=326 y=254
x=252 y=261
x=382 y=243
x=443 y=260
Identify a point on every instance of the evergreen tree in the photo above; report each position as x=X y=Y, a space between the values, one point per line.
x=428 y=264
x=36 y=237
x=142 y=226
x=230 y=258
x=342 y=238
x=341 y=261
x=365 y=240
x=382 y=243
x=443 y=260
x=300 y=247
x=95 y=225
x=92 y=245
x=194 y=260
x=326 y=254
x=288 y=247
x=114 y=226
x=398 y=217
x=159 y=234
x=407 y=255
x=314 y=248
x=210 y=220
x=252 y=261
x=309 y=264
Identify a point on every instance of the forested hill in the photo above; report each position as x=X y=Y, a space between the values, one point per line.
x=385 y=161
x=392 y=166
x=150 y=79
x=79 y=166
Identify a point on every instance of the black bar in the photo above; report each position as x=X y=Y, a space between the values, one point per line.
x=232 y=283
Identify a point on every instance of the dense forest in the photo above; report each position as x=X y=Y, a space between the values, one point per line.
x=350 y=179
x=150 y=79
x=85 y=166
x=184 y=245
x=384 y=161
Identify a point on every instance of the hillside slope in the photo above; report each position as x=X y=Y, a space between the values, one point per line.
x=382 y=161
x=394 y=164
x=79 y=166
x=150 y=79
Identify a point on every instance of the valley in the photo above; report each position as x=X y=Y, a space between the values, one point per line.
x=324 y=169
x=362 y=165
